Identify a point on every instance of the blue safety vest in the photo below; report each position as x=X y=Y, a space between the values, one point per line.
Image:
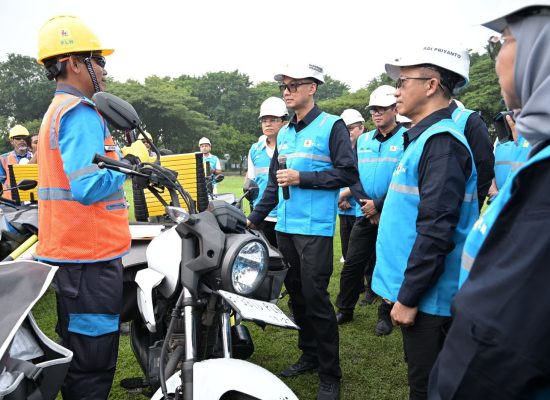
x=377 y=161
x=483 y=225
x=261 y=161
x=308 y=211
x=460 y=117
x=354 y=210
x=397 y=232
x=509 y=156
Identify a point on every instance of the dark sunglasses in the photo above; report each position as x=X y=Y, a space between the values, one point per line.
x=494 y=44
x=100 y=60
x=379 y=110
x=292 y=87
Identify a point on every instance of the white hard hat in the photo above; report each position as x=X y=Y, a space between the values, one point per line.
x=204 y=140
x=402 y=119
x=452 y=59
x=496 y=11
x=351 y=116
x=274 y=106
x=382 y=96
x=140 y=136
x=301 y=71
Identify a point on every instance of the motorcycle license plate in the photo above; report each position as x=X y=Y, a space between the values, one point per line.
x=258 y=311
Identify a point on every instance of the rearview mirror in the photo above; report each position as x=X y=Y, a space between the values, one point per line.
x=251 y=190
x=117 y=112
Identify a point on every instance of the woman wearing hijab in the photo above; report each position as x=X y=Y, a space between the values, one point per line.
x=498 y=346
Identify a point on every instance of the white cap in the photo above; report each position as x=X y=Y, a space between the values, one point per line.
x=204 y=140
x=452 y=59
x=382 y=96
x=274 y=106
x=351 y=116
x=496 y=11
x=402 y=119
x=301 y=71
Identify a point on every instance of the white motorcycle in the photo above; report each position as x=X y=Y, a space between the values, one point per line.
x=203 y=273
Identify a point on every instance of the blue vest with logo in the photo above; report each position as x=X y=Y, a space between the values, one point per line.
x=509 y=156
x=483 y=225
x=261 y=161
x=397 y=232
x=308 y=211
x=377 y=161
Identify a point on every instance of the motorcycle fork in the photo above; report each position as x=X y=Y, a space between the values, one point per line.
x=226 y=330
x=190 y=345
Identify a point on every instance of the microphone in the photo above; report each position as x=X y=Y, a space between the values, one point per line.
x=282 y=165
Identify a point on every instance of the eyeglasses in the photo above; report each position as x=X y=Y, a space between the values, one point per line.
x=19 y=138
x=292 y=86
x=495 y=43
x=270 y=120
x=353 y=126
x=100 y=60
x=378 y=110
x=401 y=80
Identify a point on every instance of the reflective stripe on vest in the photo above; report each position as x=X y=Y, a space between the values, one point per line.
x=261 y=160
x=397 y=232
x=308 y=211
x=509 y=156
x=69 y=230
x=377 y=161
x=483 y=225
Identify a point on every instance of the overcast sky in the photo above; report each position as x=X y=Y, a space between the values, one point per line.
x=351 y=40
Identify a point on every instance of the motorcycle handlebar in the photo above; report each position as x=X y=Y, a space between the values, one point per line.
x=111 y=162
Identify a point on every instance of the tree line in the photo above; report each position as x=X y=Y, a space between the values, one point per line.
x=222 y=106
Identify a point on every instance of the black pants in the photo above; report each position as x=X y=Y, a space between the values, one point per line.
x=362 y=247
x=422 y=343
x=89 y=300
x=268 y=229
x=346 y=224
x=310 y=259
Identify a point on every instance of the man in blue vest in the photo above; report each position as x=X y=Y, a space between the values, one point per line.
x=430 y=207
x=378 y=153
x=347 y=206
x=498 y=346
x=273 y=116
x=477 y=135
x=312 y=161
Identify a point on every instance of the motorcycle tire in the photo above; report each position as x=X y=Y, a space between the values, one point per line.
x=237 y=396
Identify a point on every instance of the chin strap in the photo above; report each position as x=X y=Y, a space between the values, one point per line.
x=88 y=63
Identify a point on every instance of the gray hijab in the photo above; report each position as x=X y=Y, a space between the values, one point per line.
x=532 y=77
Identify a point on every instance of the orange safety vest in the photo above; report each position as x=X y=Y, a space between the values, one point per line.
x=70 y=231
x=8 y=159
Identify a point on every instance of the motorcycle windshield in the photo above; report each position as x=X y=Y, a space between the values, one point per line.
x=22 y=283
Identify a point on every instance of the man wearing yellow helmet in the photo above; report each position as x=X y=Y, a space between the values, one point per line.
x=20 y=154
x=83 y=213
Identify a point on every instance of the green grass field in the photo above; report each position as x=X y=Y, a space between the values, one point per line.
x=373 y=367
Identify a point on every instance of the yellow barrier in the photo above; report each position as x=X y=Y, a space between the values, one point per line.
x=18 y=173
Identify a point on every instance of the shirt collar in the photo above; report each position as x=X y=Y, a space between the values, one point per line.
x=428 y=121
x=310 y=116
x=379 y=134
x=69 y=89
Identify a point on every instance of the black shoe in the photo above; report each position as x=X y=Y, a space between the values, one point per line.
x=383 y=327
x=300 y=367
x=343 y=318
x=370 y=298
x=328 y=391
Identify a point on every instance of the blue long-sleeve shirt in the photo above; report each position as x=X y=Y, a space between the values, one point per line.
x=81 y=136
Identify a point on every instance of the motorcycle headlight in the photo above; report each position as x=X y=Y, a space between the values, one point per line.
x=245 y=264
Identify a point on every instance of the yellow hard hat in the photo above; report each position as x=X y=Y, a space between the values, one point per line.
x=67 y=34
x=137 y=149
x=18 y=130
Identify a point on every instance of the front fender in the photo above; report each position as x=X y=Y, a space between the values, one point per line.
x=213 y=378
x=147 y=280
